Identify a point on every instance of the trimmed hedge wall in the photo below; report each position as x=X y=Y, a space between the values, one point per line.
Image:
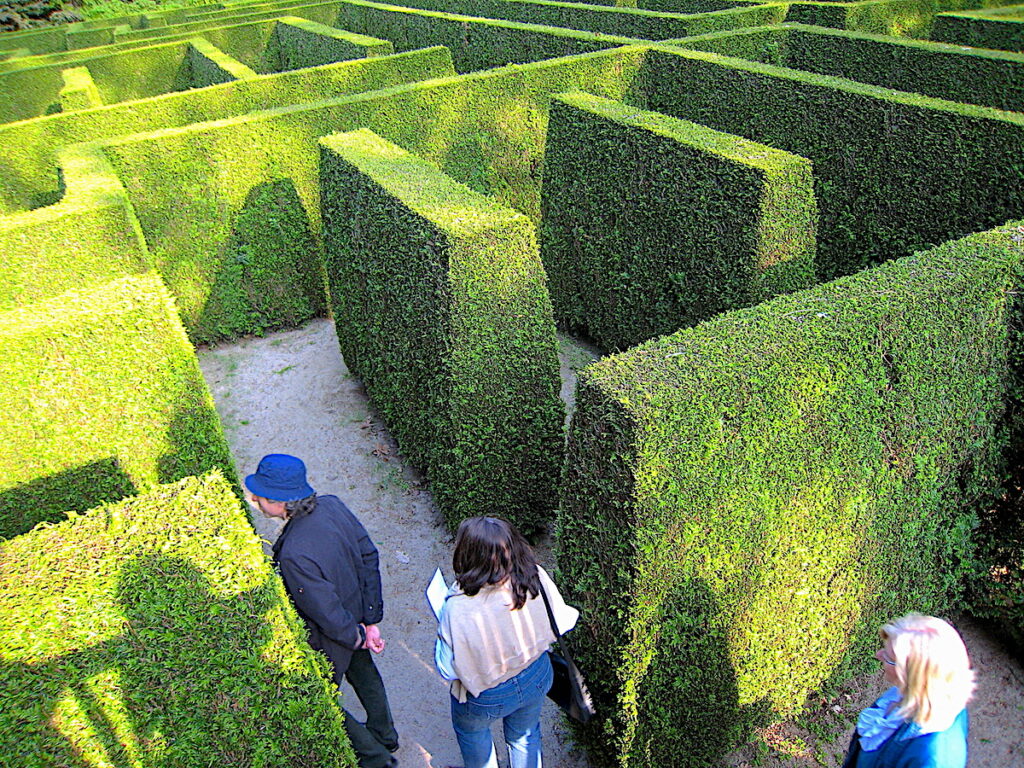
x=208 y=65
x=439 y=297
x=28 y=150
x=485 y=130
x=909 y=18
x=981 y=30
x=154 y=632
x=649 y=223
x=91 y=236
x=102 y=396
x=300 y=43
x=970 y=76
x=644 y=24
x=909 y=172
x=766 y=488
x=79 y=91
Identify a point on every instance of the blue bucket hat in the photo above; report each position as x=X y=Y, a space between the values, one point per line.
x=280 y=477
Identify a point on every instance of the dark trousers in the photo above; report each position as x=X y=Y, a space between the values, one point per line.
x=374 y=741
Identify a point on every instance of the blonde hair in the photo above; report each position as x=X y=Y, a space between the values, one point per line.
x=933 y=671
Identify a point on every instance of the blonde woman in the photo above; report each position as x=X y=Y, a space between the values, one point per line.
x=921 y=721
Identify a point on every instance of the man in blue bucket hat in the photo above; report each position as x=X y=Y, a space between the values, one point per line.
x=330 y=570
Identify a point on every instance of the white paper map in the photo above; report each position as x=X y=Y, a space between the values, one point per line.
x=437 y=590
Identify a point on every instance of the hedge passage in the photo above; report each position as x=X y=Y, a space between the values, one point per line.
x=485 y=130
x=304 y=43
x=1002 y=29
x=909 y=172
x=910 y=18
x=103 y=397
x=439 y=298
x=154 y=632
x=690 y=222
x=969 y=76
x=766 y=488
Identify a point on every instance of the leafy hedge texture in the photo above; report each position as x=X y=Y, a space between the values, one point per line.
x=649 y=223
x=439 y=298
x=983 y=29
x=910 y=171
x=154 y=633
x=970 y=76
x=102 y=397
x=767 y=487
x=302 y=43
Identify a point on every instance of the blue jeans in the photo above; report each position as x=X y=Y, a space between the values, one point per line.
x=518 y=702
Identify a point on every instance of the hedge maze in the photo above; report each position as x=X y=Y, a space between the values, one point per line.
x=795 y=228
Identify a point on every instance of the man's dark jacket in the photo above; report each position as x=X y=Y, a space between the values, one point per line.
x=330 y=569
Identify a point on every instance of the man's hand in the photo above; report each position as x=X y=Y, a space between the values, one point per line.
x=374 y=641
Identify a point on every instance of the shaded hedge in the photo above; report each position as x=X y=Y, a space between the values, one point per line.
x=154 y=632
x=970 y=76
x=909 y=173
x=299 y=43
x=631 y=22
x=766 y=488
x=984 y=29
x=439 y=297
x=102 y=396
x=649 y=223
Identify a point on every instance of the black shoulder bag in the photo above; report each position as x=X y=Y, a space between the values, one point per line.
x=568 y=688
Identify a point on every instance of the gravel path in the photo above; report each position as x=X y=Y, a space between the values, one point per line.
x=291 y=393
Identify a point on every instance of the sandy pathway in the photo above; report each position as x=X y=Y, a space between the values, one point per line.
x=291 y=393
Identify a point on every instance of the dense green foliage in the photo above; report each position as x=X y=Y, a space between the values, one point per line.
x=910 y=18
x=1003 y=32
x=154 y=632
x=302 y=43
x=632 y=253
x=648 y=25
x=439 y=298
x=208 y=65
x=970 y=76
x=485 y=130
x=909 y=172
x=766 y=488
x=79 y=91
x=102 y=396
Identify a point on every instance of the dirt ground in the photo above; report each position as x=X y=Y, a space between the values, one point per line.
x=291 y=393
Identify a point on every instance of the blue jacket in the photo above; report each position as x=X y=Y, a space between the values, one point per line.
x=942 y=749
x=330 y=569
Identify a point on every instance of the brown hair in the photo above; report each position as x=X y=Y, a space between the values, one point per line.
x=489 y=550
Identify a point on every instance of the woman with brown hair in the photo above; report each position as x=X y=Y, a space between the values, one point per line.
x=493 y=639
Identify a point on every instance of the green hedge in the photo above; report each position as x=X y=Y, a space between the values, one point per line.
x=909 y=18
x=649 y=223
x=302 y=43
x=102 y=396
x=644 y=24
x=154 y=632
x=986 y=78
x=766 y=488
x=208 y=65
x=981 y=30
x=439 y=297
x=90 y=236
x=909 y=172
x=264 y=270
x=136 y=74
x=485 y=130
x=79 y=91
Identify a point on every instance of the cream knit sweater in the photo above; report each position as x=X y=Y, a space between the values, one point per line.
x=493 y=643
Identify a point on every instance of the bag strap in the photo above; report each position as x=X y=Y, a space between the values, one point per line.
x=554 y=627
